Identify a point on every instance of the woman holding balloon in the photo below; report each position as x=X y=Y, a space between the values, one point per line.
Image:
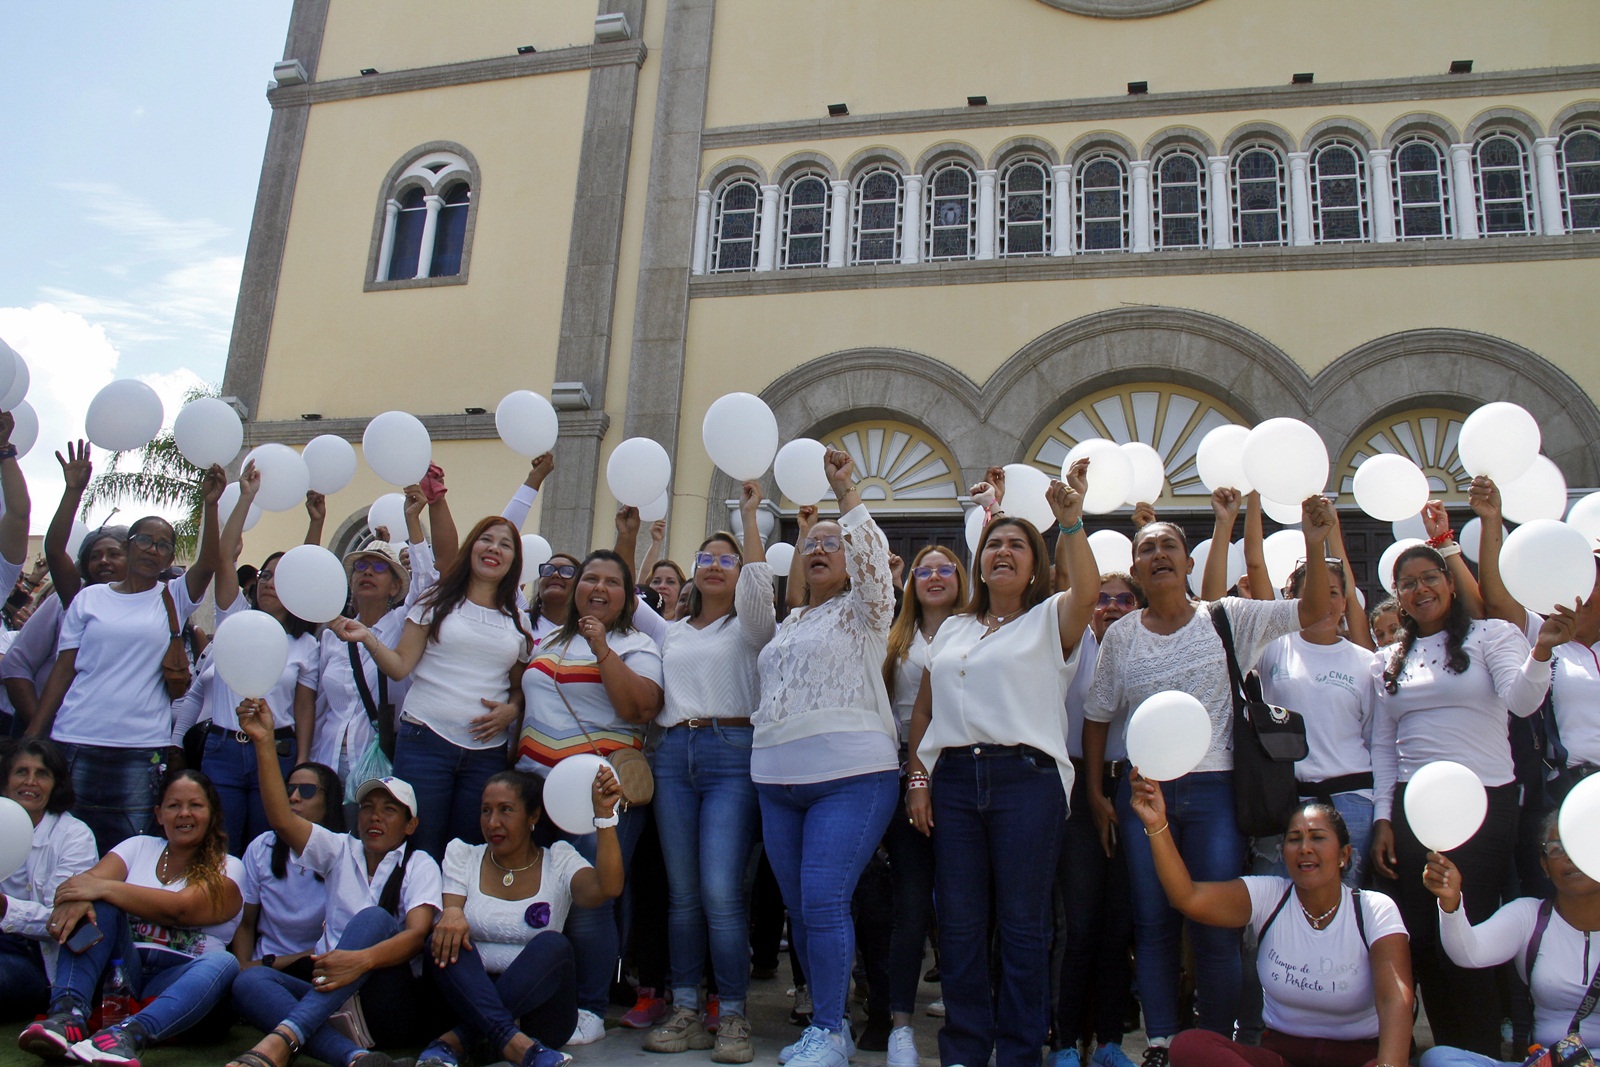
x=1173 y=645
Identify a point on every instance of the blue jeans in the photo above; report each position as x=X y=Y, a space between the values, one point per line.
x=911 y=882
x=1266 y=853
x=185 y=989
x=1095 y=926
x=24 y=990
x=707 y=815
x=998 y=815
x=819 y=838
x=536 y=995
x=1446 y=1056
x=449 y=783
x=594 y=932
x=231 y=766
x=1200 y=820
x=117 y=790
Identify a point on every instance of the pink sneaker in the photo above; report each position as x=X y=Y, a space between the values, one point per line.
x=646 y=1012
x=711 y=1017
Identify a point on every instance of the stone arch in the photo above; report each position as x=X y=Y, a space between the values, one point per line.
x=1351 y=129
x=800 y=161
x=1120 y=9
x=1269 y=132
x=948 y=150
x=1099 y=140
x=1186 y=136
x=1512 y=118
x=734 y=166
x=875 y=154
x=1572 y=114
x=1021 y=146
x=1421 y=122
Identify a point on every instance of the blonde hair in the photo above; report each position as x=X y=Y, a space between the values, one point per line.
x=910 y=618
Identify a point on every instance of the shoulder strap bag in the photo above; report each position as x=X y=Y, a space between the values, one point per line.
x=630 y=765
x=1267 y=740
x=381 y=711
x=175 y=661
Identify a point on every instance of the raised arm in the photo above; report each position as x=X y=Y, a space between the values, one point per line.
x=1436 y=520
x=593 y=886
x=209 y=558
x=1074 y=558
x=1225 y=904
x=75 y=472
x=14 y=523
x=231 y=542
x=652 y=555
x=316 y=516
x=521 y=501
x=627 y=543
x=1357 y=626
x=750 y=518
x=1225 y=512
x=795 y=592
x=255 y=719
x=1316 y=520
x=1498 y=603
x=441 y=523
x=1255 y=556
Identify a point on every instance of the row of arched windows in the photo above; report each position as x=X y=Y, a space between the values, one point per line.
x=1259 y=195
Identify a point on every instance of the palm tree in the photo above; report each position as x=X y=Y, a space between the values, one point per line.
x=164 y=479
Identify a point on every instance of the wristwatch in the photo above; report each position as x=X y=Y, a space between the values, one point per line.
x=601 y=824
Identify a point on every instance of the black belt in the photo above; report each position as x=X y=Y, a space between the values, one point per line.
x=1113 y=769
x=285 y=733
x=1345 y=783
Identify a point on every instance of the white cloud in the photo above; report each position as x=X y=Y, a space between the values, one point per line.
x=141 y=222
x=194 y=303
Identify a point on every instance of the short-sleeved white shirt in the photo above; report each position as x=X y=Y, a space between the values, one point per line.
x=471 y=662
x=550 y=733
x=1575 y=696
x=292 y=907
x=1078 y=697
x=1331 y=687
x=500 y=928
x=1318 y=983
x=141 y=854
x=342 y=862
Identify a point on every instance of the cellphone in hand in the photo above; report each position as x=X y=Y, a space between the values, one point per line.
x=85 y=937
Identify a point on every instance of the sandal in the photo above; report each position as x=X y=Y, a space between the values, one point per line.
x=252 y=1058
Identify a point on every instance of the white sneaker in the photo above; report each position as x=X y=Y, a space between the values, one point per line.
x=903 y=1048
x=936 y=1009
x=590 y=1028
x=821 y=1048
x=789 y=1052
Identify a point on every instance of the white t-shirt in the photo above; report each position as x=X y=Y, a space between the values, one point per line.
x=1078 y=698
x=500 y=928
x=549 y=732
x=1331 y=687
x=142 y=854
x=342 y=862
x=118 y=698
x=471 y=662
x=908 y=682
x=1318 y=983
x=1575 y=696
x=292 y=907
x=711 y=672
x=1136 y=663
x=221 y=704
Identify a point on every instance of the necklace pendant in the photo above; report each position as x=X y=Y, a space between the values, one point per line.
x=511 y=876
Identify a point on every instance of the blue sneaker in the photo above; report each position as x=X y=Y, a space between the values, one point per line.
x=1110 y=1056
x=1064 y=1057
x=438 y=1054
x=539 y=1055
x=822 y=1048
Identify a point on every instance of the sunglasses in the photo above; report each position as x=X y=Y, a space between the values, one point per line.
x=943 y=570
x=304 y=790
x=1125 y=601
x=828 y=543
x=146 y=542
x=555 y=570
x=376 y=566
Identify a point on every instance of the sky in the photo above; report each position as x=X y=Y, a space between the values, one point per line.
x=132 y=135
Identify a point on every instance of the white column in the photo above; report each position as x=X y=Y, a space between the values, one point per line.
x=430 y=226
x=1380 y=195
x=702 y=231
x=1544 y=161
x=391 y=212
x=911 y=221
x=1299 y=198
x=839 y=225
x=1463 y=194
x=1141 y=204
x=1061 y=225
x=767 y=242
x=986 y=213
x=1221 y=203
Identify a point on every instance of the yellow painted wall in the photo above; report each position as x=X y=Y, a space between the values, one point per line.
x=394 y=35
x=775 y=60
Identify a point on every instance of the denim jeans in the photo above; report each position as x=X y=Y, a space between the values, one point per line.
x=536 y=995
x=998 y=816
x=185 y=989
x=1446 y=1056
x=706 y=815
x=117 y=790
x=1266 y=853
x=595 y=933
x=1200 y=820
x=24 y=990
x=231 y=766
x=449 y=783
x=1094 y=910
x=911 y=882
x=819 y=837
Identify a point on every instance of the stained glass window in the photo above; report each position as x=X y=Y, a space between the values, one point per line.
x=805 y=222
x=735 y=233
x=1505 y=185
x=1338 y=193
x=1025 y=208
x=877 y=217
x=1580 y=177
x=1180 y=200
x=1102 y=204
x=951 y=213
x=1260 y=204
x=1421 y=190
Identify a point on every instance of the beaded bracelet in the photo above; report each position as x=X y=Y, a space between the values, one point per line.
x=1074 y=528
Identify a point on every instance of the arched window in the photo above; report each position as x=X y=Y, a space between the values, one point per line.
x=1180 y=200
x=1421 y=190
x=1580 y=177
x=1102 y=203
x=1260 y=201
x=1338 y=193
x=805 y=222
x=734 y=234
x=951 y=215
x=452 y=230
x=1501 y=167
x=408 y=226
x=876 y=236
x=426 y=224
x=1025 y=208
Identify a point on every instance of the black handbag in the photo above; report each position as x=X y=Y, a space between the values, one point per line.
x=1267 y=741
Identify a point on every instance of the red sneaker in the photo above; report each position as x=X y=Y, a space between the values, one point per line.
x=647 y=1011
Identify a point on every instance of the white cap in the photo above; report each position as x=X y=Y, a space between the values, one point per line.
x=398 y=788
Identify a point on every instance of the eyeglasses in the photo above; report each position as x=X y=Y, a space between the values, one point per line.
x=376 y=566
x=1553 y=848
x=725 y=560
x=828 y=543
x=146 y=542
x=1125 y=601
x=304 y=790
x=264 y=575
x=943 y=570
x=555 y=570
x=1432 y=578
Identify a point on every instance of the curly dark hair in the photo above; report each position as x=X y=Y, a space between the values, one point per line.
x=1456 y=625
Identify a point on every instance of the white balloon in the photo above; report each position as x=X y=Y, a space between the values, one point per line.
x=1149 y=473
x=397 y=447
x=1545 y=563
x=75 y=537
x=536 y=552
x=10 y=363
x=1540 y=493
x=780 y=557
x=1578 y=824
x=1410 y=526
x=24 y=428
x=799 y=471
x=1285 y=460
x=1219 y=459
x=1283 y=551
x=741 y=435
x=569 y=792
x=284 y=477
x=1472 y=534
x=330 y=462
x=973 y=524
x=1113 y=551
x=1445 y=805
x=527 y=423
x=1585 y=516
x=655 y=510
x=638 y=472
x=19 y=384
x=1500 y=440
x=230 y=500
x=1025 y=494
x=124 y=415
x=311 y=582
x=389 y=511
x=1390 y=487
x=1286 y=514
x=250 y=651
x=1110 y=475
x=1387 y=560
x=1200 y=554
x=1168 y=735
x=207 y=431
x=16 y=837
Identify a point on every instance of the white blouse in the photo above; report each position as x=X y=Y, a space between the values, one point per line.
x=500 y=928
x=710 y=672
